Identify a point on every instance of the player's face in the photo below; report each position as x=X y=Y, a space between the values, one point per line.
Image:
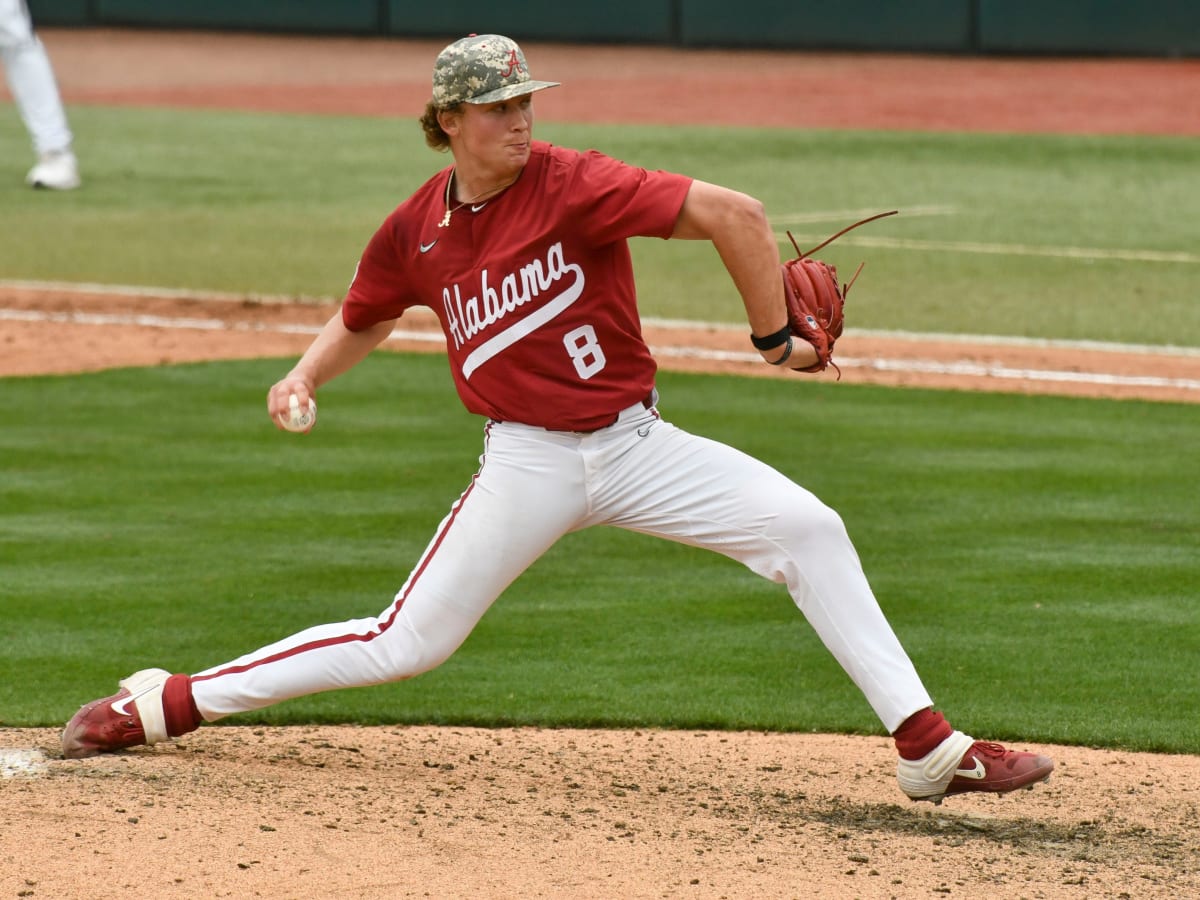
x=496 y=135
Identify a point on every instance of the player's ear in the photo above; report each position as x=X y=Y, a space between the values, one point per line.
x=450 y=120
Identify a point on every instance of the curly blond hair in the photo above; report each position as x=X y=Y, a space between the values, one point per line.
x=435 y=137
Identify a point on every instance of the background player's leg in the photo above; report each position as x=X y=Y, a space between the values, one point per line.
x=526 y=495
x=689 y=489
x=35 y=91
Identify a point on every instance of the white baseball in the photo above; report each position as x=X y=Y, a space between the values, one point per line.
x=297 y=419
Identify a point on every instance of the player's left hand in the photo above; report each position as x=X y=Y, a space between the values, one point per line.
x=815 y=305
x=816 y=301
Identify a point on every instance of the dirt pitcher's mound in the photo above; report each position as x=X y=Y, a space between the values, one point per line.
x=462 y=812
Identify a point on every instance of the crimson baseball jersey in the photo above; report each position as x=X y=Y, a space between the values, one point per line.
x=534 y=287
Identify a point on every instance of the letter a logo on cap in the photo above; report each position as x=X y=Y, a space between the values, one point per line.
x=514 y=65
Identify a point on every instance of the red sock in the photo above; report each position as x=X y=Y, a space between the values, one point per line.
x=179 y=709
x=920 y=733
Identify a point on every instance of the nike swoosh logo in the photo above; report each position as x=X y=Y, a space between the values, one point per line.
x=121 y=706
x=479 y=207
x=980 y=771
x=425 y=248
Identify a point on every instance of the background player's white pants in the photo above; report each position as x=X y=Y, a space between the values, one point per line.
x=31 y=79
x=533 y=486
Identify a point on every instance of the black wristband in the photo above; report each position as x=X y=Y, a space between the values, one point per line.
x=786 y=353
x=771 y=341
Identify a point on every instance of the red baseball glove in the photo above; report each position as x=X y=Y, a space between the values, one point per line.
x=815 y=301
x=815 y=306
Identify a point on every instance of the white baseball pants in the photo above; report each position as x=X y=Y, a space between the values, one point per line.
x=534 y=486
x=31 y=79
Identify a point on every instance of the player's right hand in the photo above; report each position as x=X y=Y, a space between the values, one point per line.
x=279 y=397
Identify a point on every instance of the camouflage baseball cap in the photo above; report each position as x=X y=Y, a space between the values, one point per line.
x=482 y=68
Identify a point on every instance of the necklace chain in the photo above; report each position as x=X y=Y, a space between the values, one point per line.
x=445 y=223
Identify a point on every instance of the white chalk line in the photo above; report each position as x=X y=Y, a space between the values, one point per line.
x=149 y=321
x=962 y=367
x=959 y=368
x=1085 y=253
x=14 y=763
x=191 y=324
x=166 y=293
x=996 y=340
x=999 y=371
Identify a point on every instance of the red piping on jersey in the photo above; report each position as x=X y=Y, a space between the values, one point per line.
x=369 y=636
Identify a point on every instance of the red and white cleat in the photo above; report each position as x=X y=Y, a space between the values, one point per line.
x=129 y=718
x=961 y=764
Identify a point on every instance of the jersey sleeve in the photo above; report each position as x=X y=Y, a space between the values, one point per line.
x=377 y=291
x=613 y=201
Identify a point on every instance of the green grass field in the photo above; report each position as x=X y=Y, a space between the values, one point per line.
x=1037 y=556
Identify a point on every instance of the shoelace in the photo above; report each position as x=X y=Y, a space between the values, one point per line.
x=987 y=748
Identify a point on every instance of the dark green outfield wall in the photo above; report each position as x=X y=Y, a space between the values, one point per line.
x=1071 y=27
x=1150 y=27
